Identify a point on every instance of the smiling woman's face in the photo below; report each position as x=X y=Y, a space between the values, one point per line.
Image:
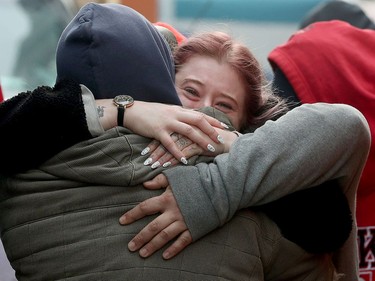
x=203 y=81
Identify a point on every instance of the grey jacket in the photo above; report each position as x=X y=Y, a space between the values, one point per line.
x=279 y=158
x=60 y=222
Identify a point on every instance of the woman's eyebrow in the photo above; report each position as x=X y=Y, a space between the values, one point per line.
x=194 y=80
x=226 y=95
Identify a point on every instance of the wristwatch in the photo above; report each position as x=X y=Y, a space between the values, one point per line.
x=122 y=102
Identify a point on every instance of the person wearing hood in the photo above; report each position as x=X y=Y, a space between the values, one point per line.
x=78 y=194
x=332 y=60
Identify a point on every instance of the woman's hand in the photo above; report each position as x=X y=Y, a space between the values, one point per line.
x=165 y=227
x=161 y=157
x=159 y=121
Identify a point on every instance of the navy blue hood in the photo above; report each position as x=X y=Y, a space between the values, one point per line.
x=112 y=49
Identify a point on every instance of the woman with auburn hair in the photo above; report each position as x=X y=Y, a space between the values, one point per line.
x=213 y=55
x=261 y=104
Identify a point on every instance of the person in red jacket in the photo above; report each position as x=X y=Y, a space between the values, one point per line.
x=333 y=61
x=1 y=94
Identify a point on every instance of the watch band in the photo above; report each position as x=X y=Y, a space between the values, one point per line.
x=122 y=102
x=120 y=115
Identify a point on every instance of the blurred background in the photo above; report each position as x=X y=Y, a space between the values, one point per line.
x=30 y=30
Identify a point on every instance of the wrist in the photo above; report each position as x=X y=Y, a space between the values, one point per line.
x=122 y=102
x=107 y=112
x=91 y=112
x=232 y=137
x=238 y=134
x=131 y=115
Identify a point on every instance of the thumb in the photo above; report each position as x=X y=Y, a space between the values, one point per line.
x=158 y=182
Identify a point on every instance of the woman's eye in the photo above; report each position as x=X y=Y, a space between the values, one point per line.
x=191 y=92
x=225 y=106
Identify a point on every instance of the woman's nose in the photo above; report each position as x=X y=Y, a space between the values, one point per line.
x=207 y=102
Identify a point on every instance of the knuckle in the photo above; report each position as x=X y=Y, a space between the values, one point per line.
x=153 y=226
x=168 y=197
x=143 y=206
x=201 y=117
x=188 y=130
x=164 y=235
x=138 y=239
x=165 y=199
x=174 y=249
x=185 y=240
x=150 y=247
x=160 y=178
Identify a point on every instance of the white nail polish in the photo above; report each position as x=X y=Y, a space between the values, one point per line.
x=183 y=160
x=148 y=161
x=224 y=125
x=145 y=151
x=167 y=164
x=220 y=139
x=155 y=165
x=210 y=148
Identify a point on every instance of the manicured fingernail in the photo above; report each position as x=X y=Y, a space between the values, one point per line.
x=210 y=148
x=167 y=164
x=155 y=165
x=148 y=161
x=220 y=139
x=183 y=160
x=145 y=151
x=224 y=125
x=143 y=252
x=131 y=246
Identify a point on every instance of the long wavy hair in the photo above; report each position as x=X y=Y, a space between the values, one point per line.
x=261 y=102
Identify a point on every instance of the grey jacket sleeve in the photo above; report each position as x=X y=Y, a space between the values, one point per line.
x=308 y=146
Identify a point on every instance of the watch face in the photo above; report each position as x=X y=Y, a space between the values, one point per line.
x=123 y=100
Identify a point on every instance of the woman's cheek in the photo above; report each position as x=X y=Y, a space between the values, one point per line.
x=187 y=103
x=234 y=118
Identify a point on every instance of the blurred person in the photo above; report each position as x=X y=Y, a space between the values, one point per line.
x=1 y=94
x=343 y=62
x=35 y=62
x=339 y=10
x=271 y=129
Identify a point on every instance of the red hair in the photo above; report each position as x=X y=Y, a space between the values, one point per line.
x=179 y=36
